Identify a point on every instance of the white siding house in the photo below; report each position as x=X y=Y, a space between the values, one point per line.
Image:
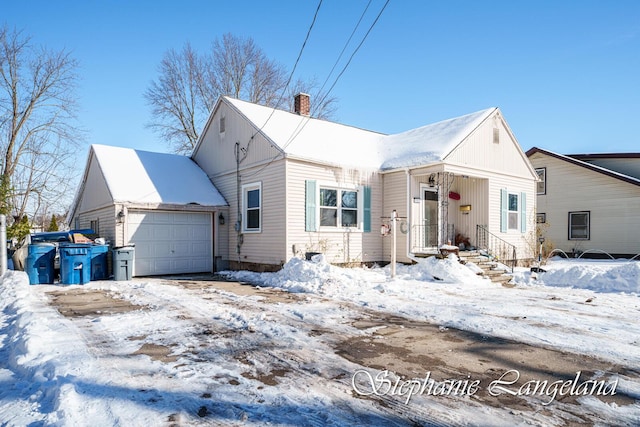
x=584 y=206
x=298 y=185
x=161 y=203
x=265 y=185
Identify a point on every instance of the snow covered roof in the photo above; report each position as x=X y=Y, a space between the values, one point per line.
x=313 y=139
x=145 y=177
x=334 y=143
x=430 y=143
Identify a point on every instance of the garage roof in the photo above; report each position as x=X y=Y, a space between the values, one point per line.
x=135 y=176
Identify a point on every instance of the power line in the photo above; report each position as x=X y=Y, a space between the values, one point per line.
x=342 y=71
x=298 y=131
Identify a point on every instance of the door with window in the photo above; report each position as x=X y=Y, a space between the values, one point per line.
x=430 y=217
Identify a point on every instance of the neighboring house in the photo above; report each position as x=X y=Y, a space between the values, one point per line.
x=589 y=202
x=298 y=185
x=162 y=203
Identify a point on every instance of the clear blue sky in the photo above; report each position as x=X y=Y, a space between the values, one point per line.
x=566 y=74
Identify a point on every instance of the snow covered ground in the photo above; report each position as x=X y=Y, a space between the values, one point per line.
x=251 y=358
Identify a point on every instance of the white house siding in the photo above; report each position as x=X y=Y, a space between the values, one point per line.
x=478 y=151
x=473 y=191
x=106 y=218
x=613 y=205
x=216 y=152
x=95 y=193
x=396 y=197
x=339 y=246
x=505 y=166
x=268 y=245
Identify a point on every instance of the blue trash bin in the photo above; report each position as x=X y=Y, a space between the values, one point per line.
x=99 y=262
x=75 y=263
x=39 y=263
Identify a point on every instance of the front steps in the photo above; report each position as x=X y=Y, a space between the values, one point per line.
x=490 y=269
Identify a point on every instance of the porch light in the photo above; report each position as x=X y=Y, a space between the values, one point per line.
x=432 y=180
x=120 y=216
x=221 y=219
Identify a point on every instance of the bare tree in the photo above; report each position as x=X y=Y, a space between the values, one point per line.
x=190 y=84
x=37 y=111
x=177 y=98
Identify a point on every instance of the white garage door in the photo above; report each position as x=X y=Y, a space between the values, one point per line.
x=170 y=242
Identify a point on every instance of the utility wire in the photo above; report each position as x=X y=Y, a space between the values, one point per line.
x=297 y=131
x=295 y=65
x=342 y=71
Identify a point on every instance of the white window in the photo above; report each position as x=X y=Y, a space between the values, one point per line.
x=579 y=225
x=338 y=207
x=514 y=211
x=541 y=185
x=252 y=207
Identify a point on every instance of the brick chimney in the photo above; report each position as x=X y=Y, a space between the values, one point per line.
x=301 y=104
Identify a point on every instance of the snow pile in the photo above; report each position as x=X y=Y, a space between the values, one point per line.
x=319 y=277
x=448 y=270
x=600 y=276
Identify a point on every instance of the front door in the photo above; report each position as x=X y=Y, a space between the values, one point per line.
x=430 y=217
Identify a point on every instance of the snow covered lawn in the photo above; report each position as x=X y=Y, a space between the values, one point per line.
x=321 y=345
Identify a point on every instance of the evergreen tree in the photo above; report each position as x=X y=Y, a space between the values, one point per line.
x=53 y=224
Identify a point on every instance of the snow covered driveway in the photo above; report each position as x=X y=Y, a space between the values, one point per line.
x=193 y=352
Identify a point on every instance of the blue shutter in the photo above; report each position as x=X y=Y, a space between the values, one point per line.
x=523 y=212
x=367 y=209
x=504 y=206
x=310 y=209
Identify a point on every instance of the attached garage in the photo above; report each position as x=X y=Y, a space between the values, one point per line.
x=164 y=204
x=170 y=242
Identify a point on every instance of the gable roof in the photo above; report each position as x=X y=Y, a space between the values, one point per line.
x=586 y=165
x=333 y=143
x=137 y=176
x=430 y=143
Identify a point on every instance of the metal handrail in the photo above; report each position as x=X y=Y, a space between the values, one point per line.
x=496 y=247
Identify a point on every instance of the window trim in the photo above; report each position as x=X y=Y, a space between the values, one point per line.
x=569 y=223
x=222 y=126
x=245 y=217
x=359 y=190
x=544 y=181
x=516 y=212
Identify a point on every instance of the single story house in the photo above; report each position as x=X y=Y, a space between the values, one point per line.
x=164 y=204
x=298 y=185
x=281 y=184
x=589 y=202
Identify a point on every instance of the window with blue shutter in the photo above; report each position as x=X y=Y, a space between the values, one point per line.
x=366 y=216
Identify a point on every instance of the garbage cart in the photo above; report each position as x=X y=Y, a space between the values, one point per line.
x=99 y=262
x=123 y=262
x=75 y=263
x=39 y=264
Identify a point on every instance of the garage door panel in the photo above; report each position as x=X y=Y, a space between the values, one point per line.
x=170 y=242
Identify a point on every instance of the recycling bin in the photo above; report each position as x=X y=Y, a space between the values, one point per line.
x=123 y=262
x=99 y=262
x=39 y=263
x=75 y=263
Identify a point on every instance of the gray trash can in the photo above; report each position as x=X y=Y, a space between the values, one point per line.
x=123 y=262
